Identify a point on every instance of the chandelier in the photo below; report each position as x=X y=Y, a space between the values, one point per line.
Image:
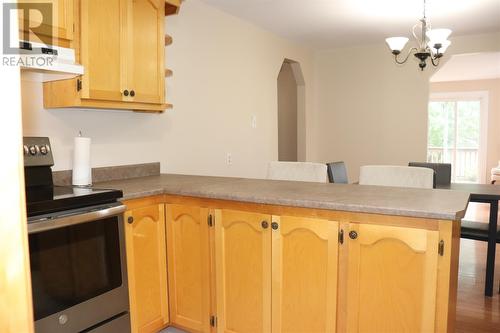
x=431 y=43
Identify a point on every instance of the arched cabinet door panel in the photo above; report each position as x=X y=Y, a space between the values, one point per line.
x=392 y=278
x=188 y=252
x=243 y=271
x=305 y=265
x=147 y=267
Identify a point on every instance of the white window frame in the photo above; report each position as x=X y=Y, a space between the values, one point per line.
x=483 y=98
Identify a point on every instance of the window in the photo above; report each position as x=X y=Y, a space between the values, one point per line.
x=455 y=135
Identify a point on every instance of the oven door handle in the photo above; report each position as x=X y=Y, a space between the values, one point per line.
x=77 y=218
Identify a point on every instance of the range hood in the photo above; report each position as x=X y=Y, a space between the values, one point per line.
x=44 y=63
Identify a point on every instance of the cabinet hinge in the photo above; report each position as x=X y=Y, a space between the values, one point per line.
x=213 y=321
x=210 y=220
x=341 y=236
x=441 y=248
x=78 y=85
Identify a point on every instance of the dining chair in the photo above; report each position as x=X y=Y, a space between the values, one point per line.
x=298 y=171
x=475 y=224
x=442 y=171
x=337 y=172
x=398 y=176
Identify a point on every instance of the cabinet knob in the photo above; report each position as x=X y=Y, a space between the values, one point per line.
x=353 y=234
x=275 y=225
x=265 y=224
x=125 y=92
x=130 y=220
x=132 y=93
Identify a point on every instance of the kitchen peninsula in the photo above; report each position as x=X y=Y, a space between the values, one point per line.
x=248 y=255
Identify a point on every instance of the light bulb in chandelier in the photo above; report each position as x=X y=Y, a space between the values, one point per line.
x=438 y=48
x=439 y=36
x=396 y=44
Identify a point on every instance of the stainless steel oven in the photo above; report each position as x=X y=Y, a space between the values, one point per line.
x=78 y=270
x=77 y=251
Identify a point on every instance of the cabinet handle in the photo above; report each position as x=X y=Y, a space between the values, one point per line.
x=132 y=93
x=275 y=225
x=130 y=220
x=353 y=234
x=125 y=92
x=265 y=224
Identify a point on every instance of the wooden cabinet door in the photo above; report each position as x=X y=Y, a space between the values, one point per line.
x=304 y=290
x=61 y=26
x=146 y=63
x=104 y=49
x=147 y=268
x=392 y=279
x=188 y=267
x=243 y=271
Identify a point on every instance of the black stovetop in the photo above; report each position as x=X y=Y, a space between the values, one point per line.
x=49 y=199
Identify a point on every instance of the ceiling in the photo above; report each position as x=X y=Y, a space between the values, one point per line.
x=473 y=66
x=337 y=23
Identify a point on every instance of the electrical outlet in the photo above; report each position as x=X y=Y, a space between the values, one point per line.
x=254 y=121
x=229 y=159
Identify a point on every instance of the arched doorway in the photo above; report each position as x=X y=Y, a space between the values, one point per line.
x=291 y=112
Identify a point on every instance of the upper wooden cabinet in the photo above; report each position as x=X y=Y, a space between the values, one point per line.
x=147 y=267
x=188 y=250
x=122 y=50
x=146 y=73
x=104 y=48
x=59 y=31
x=392 y=279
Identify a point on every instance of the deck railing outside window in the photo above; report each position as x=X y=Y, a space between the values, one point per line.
x=465 y=162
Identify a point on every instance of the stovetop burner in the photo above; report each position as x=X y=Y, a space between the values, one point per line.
x=42 y=197
x=49 y=199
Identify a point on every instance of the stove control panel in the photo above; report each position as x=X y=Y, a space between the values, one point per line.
x=37 y=152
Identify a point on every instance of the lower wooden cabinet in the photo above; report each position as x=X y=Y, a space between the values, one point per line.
x=392 y=279
x=280 y=268
x=304 y=264
x=147 y=267
x=188 y=250
x=243 y=271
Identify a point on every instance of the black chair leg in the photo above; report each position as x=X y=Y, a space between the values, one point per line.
x=490 y=257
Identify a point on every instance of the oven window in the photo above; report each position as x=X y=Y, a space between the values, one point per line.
x=73 y=264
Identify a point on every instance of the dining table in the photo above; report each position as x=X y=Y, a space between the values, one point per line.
x=490 y=194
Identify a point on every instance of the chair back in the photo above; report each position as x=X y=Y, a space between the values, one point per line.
x=337 y=172
x=298 y=171
x=442 y=170
x=399 y=176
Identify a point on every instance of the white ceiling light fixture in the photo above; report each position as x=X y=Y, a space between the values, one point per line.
x=431 y=43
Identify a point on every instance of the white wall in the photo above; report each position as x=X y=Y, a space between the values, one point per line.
x=225 y=71
x=492 y=87
x=372 y=111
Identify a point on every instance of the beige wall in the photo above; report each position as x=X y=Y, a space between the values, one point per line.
x=287 y=114
x=225 y=71
x=372 y=111
x=492 y=87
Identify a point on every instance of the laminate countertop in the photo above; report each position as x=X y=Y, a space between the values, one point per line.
x=423 y=203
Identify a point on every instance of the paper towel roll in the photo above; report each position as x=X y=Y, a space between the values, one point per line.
x=82 y=173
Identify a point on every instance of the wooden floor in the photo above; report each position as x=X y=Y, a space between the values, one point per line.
x=475 y=312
